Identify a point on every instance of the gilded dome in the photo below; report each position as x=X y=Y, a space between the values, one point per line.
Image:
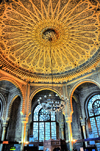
x=43 y=36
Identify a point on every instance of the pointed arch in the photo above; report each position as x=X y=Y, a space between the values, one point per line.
x=14 y=82
x=40 y=89
x=77 y=85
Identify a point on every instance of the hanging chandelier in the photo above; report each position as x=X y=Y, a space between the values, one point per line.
x=51 y=101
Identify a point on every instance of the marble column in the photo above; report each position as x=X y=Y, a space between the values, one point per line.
x=27 y=131
x=83 y=129
x=62 y=130
x=24 y=124
x=61 y=124
x=67 y=111
x=4 y=127
x=69 y=121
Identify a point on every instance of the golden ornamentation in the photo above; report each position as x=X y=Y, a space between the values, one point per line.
x=72 y=25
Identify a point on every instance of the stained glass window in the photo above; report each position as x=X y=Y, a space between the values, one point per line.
x=35 y=131
x=94 y=105
x=41 y=131
x=53 y=130
x=44 y=124
x=44 y=115
x=36 y=112
x=94 y=116
x=47 y=130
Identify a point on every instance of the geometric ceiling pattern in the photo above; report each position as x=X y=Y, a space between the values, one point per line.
x=44 y=35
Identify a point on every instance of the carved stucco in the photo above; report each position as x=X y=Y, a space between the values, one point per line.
x=17 y=83
x=3 y=103
x=73 y=27
x=21 y=85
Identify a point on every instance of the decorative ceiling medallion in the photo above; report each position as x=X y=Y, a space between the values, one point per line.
x=47 y=29
x=50 y=34
x=27 y=26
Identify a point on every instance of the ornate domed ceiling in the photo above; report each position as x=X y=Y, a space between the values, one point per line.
x=38 y=36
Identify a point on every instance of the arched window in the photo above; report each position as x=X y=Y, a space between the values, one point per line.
x=93 y=111
x=44 y=124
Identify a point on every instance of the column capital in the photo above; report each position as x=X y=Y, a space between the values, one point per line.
x=82 y=122
x=68 y=119
x=5 y=122
x=24 y=119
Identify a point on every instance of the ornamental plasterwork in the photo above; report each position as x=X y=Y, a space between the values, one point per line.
x=37 y=88
x=38 y=36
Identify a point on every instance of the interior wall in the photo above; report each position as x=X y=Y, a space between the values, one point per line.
x=79 y=110
x=0 y=129
x=0 y=117
x=81 y=94
x=76 y=129
x=85 y=90
x=14 y=126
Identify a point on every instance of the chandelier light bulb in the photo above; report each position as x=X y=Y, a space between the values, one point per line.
x=51 y=102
